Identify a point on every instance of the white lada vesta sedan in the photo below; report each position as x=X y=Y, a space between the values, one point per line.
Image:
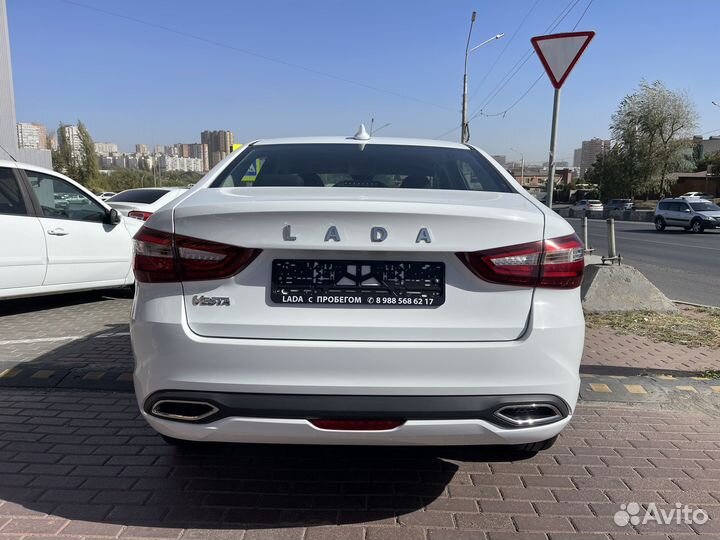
x=358 y=291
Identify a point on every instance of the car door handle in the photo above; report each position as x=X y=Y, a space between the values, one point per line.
x=58 y=232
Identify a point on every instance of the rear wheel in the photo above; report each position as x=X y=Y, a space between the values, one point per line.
x=659 y=224
x=696 y=226
x=534 y=448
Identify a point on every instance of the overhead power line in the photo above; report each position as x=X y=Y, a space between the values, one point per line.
x=523 y=60
x=260 y=55
x=502 y=113
x=502 y=52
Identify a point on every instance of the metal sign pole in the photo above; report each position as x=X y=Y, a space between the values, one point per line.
x=551 y=160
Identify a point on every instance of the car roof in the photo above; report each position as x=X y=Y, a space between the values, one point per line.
x=397 y=141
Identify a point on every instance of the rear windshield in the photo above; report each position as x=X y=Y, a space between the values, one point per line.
x=704 y=206
x=594 y=202
x=365 y=166
x=144 y=196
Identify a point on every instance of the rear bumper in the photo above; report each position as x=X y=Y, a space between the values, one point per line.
x=170 y=357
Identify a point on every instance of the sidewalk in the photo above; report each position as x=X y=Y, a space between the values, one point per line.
x=608 y=351
x=82 y=465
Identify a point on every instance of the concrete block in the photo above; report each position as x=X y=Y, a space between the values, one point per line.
x=613 y=287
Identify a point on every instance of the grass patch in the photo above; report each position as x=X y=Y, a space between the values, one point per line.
x=691 y=327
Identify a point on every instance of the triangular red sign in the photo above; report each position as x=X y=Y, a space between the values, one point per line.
x=560 y=52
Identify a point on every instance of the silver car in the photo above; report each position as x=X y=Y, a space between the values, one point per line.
x=694 y=215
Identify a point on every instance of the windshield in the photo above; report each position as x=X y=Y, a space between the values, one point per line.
x=144 y=196
x=366 y=166
x=704 y=207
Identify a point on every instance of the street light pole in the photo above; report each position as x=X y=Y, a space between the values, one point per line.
x=464 y=124
x=464 y=128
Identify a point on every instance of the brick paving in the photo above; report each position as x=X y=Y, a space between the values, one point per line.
x=79 y=464
x=608 y=351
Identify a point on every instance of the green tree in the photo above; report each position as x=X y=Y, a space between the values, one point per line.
x=710 y=163
x=88 y=170
x=615 y=174
x=653 y=126
x=62 y=157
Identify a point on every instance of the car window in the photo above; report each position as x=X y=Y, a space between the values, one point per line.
x=144 y=196
x=366 y=166
x=61 y=200
x=11 y=200
x=664 y=206
x=704 y=207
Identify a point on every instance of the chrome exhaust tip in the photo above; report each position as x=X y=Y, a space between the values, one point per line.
x=529 y=414
x=183 y=410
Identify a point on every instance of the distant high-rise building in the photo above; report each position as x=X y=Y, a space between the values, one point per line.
x=502 y=160
x=141 y=149
x=219 y=145
x=72 y=136
x=31 y=135
x=577 y=157
x=589 y=152
x=8 y=125
x=160 y=148
x=105 y=148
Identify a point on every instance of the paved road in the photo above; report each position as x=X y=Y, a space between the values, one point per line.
x=683 y=265
x=77 y=462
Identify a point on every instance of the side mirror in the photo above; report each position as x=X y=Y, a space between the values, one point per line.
x=114 y=217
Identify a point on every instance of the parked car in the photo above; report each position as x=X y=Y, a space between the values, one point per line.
x=358 y=291
x=694 y=215
x=140 y=203
x=105 y=195
x=696 y=195
x=620 y=204
x=588 y=205
x=57 y=236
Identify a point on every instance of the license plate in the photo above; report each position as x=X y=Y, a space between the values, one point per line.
x=358 y=283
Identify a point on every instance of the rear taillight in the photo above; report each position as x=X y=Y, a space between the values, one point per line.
x=556 y=263
x=139 y=214
x=162 y=257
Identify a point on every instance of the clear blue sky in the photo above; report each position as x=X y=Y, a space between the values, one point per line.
x=132 y=83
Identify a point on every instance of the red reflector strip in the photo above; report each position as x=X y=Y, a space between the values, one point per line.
x=357 y=425
x=138 y=214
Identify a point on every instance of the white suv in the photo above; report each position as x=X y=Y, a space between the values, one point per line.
x=358 y=291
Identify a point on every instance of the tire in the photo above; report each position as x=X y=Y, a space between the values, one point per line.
x=697 y=226
x=659 y=224
x=534 y=448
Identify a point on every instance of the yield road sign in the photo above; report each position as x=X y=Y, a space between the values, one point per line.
x=560 y=52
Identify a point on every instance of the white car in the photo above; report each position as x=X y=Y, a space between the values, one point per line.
x=696 y=195
x=57 y=236
x=141 y=203
x=358 y=291
x=105 y=195
x=589 y=205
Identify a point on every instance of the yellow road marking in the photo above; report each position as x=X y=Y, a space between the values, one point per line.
x=618 y=377
x=600 y=387
x=93 y=376
x=43 y=374
x=666 y=377
x=125 y=377
x=635 y=389
x=715 y=389
x=686 y=388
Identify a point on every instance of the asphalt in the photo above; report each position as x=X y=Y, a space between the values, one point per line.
x=683 y=265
